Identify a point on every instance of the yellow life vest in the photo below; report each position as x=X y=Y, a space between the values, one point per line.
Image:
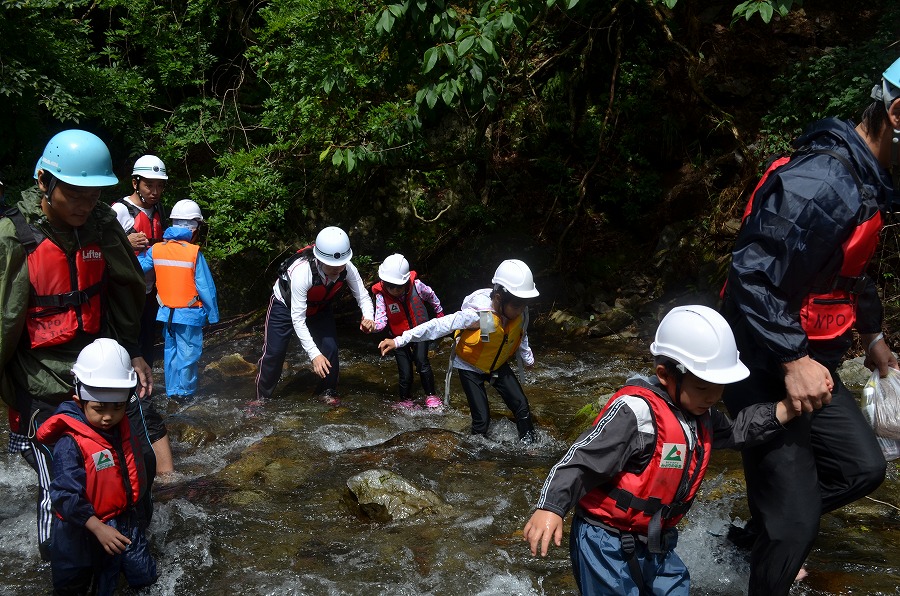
x=175 y=262
x=490 y=351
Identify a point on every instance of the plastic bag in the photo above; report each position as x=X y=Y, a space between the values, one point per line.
x=876 y=394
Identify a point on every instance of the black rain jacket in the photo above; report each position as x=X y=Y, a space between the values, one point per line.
x=792 y=242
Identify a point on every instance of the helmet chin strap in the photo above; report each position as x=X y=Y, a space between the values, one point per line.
x=137 y=191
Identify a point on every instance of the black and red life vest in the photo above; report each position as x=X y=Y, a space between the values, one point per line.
x=112 y=485
x=829 y=310
x=664 y=491
x=405 y=312
x=151 y=228
x=66 y=292
x=320 y=293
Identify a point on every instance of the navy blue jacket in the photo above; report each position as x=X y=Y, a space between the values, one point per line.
x=792 y=243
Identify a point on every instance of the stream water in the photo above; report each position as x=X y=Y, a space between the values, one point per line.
x=258 y=505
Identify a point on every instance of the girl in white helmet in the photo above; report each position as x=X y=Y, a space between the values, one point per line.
x=491 y=328
x=635 y=472
x=401 y=301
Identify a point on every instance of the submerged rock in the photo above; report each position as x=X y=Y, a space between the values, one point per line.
x=231 y=365
x=382 y=495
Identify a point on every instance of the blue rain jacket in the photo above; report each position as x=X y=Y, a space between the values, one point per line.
x=206 y=288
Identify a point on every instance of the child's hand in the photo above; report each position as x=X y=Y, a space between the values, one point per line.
x=367 y=326
x=109 y=538
x=543 y=526
x=386 y=346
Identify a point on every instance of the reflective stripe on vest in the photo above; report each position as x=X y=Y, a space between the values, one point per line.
x=405 y=312
x=105 y=484
x=175 y=262
x=66 y=293
x=669 y=482
x=500 y=346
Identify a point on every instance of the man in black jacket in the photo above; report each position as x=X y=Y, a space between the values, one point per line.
x=796 y=289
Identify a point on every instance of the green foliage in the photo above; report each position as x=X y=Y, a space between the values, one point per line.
x=835 y=83
x=414 y=121
x=766 y=9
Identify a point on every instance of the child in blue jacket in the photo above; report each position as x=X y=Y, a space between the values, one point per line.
x=186 y=294
x=101 y=480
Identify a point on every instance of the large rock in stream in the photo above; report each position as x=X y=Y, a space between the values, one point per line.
x=383 y=496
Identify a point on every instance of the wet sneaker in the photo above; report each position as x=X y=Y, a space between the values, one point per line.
x=406 y=404
x=254 y=407
x=744 y=536
x=433 y=401
x=329 y=397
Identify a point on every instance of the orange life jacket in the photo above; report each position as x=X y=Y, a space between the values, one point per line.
x=175 y=262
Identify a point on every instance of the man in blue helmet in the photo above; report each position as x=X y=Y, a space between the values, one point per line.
x=68 y=275
x=796 y=291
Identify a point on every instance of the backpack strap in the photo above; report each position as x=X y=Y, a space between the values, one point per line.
x=25 y=234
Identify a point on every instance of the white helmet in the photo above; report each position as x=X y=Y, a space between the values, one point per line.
x=394 y=270
x=515 y=276
x=150 y=166
x=103 y=372
x=699 y=338
x=333 y=247
x=186 y=209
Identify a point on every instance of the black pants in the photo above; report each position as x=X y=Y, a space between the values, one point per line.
x=823 y=461
x=147 y=336
x=277 y=339
x=507 y=385
x=414 y=353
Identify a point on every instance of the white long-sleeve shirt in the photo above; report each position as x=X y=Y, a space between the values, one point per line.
x=466 y=318
x=301 y=278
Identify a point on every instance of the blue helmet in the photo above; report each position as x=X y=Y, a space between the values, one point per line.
x=79 y=158
x=892 y=74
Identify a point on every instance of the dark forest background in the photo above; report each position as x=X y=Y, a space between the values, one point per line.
x=609 y=144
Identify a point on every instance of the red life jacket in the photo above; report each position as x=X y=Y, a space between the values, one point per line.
x=151 y=228
x=319 y=294
x=403 y=313
x=663 y=493
x=66 y=293
x=107 y=488
x=829 y=310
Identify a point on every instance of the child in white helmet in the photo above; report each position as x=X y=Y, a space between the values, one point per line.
x=302 y=305
x=492 y=329
x=186 y=294
x=636 y=471
x=401 y=302
x=100 y=486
